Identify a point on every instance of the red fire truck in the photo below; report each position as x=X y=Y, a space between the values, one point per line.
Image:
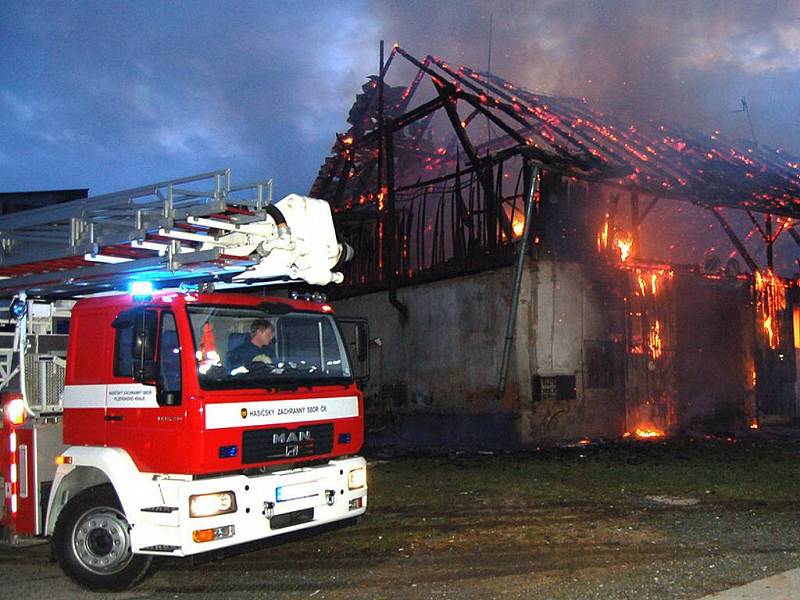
x=151 y=423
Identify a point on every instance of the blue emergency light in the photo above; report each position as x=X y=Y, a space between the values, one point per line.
x=141 y=290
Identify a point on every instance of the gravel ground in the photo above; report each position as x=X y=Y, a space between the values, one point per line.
x=655 y=522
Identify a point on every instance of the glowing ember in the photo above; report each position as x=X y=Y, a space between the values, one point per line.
x=754 y=425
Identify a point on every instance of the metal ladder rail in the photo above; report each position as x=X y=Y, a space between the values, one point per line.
x=84 y=226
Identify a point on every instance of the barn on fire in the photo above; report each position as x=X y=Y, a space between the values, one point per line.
x=537 y=270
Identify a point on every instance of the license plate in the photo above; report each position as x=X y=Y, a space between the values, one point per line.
x=296 y=491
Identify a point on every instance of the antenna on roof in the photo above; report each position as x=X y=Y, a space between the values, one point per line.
x=489 y=61
x=746 y=110
x=489 y=72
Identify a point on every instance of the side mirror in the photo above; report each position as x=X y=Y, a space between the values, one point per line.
x=355 y=331
x=362 y=342
x=145 y=330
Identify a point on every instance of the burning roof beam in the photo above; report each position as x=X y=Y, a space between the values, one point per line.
x=737 y=243
x=484 y=168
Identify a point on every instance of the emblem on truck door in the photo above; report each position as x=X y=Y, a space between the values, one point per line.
x=243 y=412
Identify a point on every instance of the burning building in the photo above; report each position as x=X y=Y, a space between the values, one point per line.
x=536 y=269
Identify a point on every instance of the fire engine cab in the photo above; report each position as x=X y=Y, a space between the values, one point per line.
x=145 y=414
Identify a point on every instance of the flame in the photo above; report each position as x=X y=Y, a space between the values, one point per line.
x=654 y=341
x=648 y=433
x=381 y=196
x=518 y=226
x=602 y=236
x=771 y=333
x=754 y=425
x=770 y=296
x=642 y=284
x=645 y=431
x=625 y=246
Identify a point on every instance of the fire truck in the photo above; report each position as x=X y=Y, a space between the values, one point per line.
x=134 y=426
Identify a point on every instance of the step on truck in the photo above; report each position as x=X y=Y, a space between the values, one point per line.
x=146 y=414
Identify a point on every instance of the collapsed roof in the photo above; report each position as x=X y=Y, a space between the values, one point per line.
x=565 y=135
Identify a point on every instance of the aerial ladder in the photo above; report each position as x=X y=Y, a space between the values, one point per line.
x=200 y=228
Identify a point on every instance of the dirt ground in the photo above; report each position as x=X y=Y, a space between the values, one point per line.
x=640 y=520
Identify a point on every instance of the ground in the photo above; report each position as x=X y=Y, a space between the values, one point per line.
x=634 y=520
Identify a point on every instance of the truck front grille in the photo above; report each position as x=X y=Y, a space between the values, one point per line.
x=261 y=445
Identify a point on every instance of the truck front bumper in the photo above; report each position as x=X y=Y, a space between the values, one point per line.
x=265 y=506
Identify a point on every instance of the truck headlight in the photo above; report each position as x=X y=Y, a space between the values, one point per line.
x=209 y=505
x=357 y=478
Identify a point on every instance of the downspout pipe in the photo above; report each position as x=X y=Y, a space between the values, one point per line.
x=386 y=154
x=532 y=177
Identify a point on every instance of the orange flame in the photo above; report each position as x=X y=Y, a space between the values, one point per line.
x=645 y=431
x=770 y=293
x=625 y=246
x=648 y=433
x=602 y=236
x=654 y=341
x=518 y=227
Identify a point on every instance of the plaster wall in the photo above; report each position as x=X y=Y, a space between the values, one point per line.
x=572 y=309
x=434 y=377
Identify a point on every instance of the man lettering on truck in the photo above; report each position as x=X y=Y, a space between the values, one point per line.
x=258 y=348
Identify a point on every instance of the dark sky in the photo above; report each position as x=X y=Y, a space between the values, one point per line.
x=114 y=94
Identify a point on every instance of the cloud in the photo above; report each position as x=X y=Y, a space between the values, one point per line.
x=115 y=94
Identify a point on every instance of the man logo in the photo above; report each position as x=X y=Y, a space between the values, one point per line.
x=243 y=412
x=291 y=437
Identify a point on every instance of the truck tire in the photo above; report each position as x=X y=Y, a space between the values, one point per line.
x=92 y=542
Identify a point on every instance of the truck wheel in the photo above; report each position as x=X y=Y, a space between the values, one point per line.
x=92 y=542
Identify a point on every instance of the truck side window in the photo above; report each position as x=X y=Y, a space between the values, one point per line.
x=169 y=355
x=135 y=340
x=123 y=351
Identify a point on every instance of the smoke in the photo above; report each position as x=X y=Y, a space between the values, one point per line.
x=683 y=61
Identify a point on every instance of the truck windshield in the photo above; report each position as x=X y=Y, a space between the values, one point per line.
x=239 y=347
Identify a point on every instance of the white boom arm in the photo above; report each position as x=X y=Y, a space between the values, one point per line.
x=298 y=242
